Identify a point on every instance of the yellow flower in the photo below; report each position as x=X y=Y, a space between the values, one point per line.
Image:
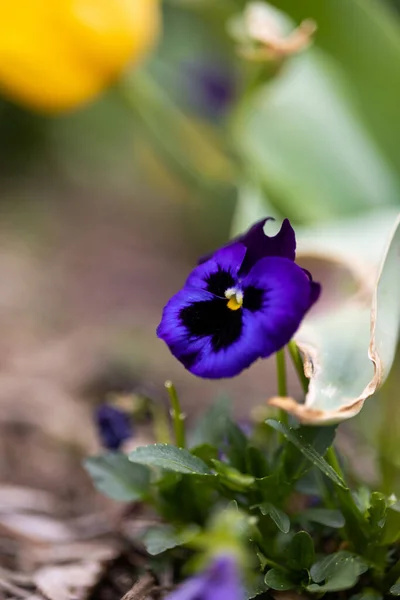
x=58 y=54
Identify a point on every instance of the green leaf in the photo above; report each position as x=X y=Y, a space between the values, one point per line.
x=324 y=516
x=116 y=477
x=391 y=530
x=273 y=486
x=279 y=580
x=171 y=458
x=205 y=452
x=301 y=554
x=375 y=86
x=256 y=463
x=353 y=337
x=288 y=135
x=236 y=447
x=212 y=425
x=233 y=478
x=367 y=594
x=320 y=438
x=395 y=589
x=376 y=515
x=280 y=519
x=307 y=450
x=327 y=566
x=160 y=538
x=255 y=588
x=339 y=571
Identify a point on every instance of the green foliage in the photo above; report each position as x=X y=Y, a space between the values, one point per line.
x=391 y=530
x=310 y=453
x=278 y=579
x=211 y=427
x=300 y=553
x=232 y=478
x=367 y=594
x=116 y=477
x=377 y=514
x=170 y=458
x=339 y=571
x=395 y=589
x=324 y=516
x=280 y=519
x=159 y=539
x=289 y=139
x=207 y=503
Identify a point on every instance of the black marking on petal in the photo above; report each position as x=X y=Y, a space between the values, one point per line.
x=214 y=319
x=219 y=282
x=253 y=298
x=189 y=359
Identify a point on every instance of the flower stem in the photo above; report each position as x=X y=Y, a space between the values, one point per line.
x=177 y=415
x=333 y=460
x=162 y=432
x=156 y=112
x=298 y=364
x=282 y=381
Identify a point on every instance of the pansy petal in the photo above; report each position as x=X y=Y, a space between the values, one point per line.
x=315 y=292
x=172 y=330
x=220 y=581
x=220 y=272
x=191 y=589
x=315 y=288
x=277 y=293
x=231 y=359
x=215 y=341
x=259 y=245
x=223 y=580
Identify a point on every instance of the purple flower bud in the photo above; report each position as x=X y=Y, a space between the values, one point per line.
x=212 y=87
x=220 y=581
x=114 y=426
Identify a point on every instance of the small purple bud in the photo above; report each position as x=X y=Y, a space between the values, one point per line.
x=114 y=426
x=212 y=87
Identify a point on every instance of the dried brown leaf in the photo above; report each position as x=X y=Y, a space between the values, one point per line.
x=68 y=582
x=337 y=344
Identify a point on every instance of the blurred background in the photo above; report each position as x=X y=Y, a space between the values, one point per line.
x=193 y=126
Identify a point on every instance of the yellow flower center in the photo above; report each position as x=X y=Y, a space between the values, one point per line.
x=235 y=298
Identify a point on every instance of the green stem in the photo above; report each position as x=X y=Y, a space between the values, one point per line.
x=355 y=523
x=298 y=364
x=166 y=126
x=282 y=381
x=177 y=415
x=162 y=432
x=333 y=460
x=281 y=372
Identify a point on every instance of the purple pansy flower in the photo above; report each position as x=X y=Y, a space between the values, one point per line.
x=114 y=426
x=220 y=581
x=241 y=303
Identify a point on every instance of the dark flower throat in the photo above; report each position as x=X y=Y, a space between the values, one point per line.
x=213 y=318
